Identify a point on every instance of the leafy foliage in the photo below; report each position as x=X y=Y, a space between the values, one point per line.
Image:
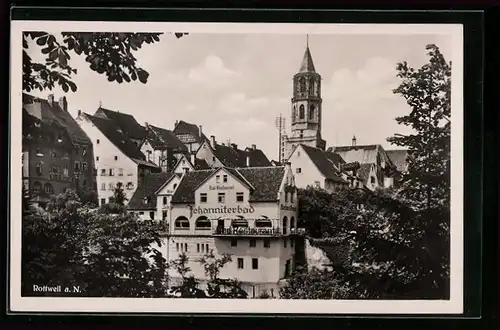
x=106 y=53
x=119 y=195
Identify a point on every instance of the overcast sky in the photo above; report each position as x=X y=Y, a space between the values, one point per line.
x=236 y=85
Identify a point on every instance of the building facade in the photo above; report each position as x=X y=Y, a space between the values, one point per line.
x=248 y=213
x=57 y=154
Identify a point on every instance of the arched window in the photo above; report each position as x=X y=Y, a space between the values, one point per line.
x=39 y=168
x=263 y=223
x=37 y=187
x=301 y=111
x=48 y=188
x=239 y=223
x=292 y=223
x=311 y=87
x=294 y=113
x=203 y=223
x=175 y=185
x=181 y=223
x=285 y=225
x=311 y=112
x=302 y=85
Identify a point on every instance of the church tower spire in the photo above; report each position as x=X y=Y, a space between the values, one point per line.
x=306 y=105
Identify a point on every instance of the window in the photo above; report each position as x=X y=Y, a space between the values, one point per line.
x=372 y=180
x=234 y=242
x=97 y=158
x=252 y=243
x=48 y=188
x=203 y=223
x=186 y=247
x=175 y=185
x=77 y=167
x=177 y=247
x=37 y=187
x=145 y=200
x=285 y=225
x=285 y=243
x=298 y=170
x=239 y=197
x=255 y=263
x=111 y=186
x=286 y=197
x=103 y=201
x=292 y=222
x=198 y=247
x=84 y=166
x=39 y=169
x=130 y=185
x=164 y=215
x=298 y=153
x=97 y=141
x=267 y=243
x=311 y=112
x=292 y=194
x=213 y=158
x=38 y=152
x=84 y=151
x=120 y=171
x=317 y=184
x=206 y=247
x=181 y=223
x=116 y=157
x=151 y=215
x=224 y=178
x=203 y=197
x=203 y=248
x=140 y=213
x=164 y=200
x=103 y=172
x=217 y=179
x=301 y=134
x=301 y=111
x=103 y=186
x=240 y=263
x=65 y=171
x=263 y=223
x=110 y=172
x=222 y=197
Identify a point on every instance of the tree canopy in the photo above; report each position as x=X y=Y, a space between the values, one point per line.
x=111 y=54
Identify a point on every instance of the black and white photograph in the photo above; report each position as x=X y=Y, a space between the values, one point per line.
x=236 y=168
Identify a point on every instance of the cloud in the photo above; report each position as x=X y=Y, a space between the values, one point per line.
x=239 y=104
x=212 y=73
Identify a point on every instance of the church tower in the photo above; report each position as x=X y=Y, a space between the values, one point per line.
x=306 y=106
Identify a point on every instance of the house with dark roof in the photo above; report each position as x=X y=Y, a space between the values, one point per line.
x=118 y=159
x=320 y=169
x=57 y=153
x=249 y=212
x=125 y=123
x=191 y=163
x=162 y=147
x=190 y=134
x=218 y=155
x=385 y=171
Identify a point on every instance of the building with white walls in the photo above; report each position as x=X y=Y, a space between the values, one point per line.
x=117 y=158
x=248 y=213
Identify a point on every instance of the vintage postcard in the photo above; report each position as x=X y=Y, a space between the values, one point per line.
x=236 y=168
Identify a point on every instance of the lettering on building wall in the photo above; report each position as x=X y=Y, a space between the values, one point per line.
x=246 y=231
x=223 y=209
x=219 y=187
x=287 y=208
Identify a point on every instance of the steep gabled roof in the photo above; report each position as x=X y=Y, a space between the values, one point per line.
x=265 y=180
x=399 y=158
x=127 y=123
x=231 y=156
x=183 y=127
x=201 y=164
x=147 y=188
x=336 y=159
x=307 y=64
x=185 y=191
x=163 y=138
x=257 y=158
x=363 y=154
x=119 y=139
x=322 y=162
x=54 y=114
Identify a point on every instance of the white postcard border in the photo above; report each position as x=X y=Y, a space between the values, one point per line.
x=166 y=305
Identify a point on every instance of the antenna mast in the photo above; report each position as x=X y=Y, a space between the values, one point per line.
x=280 y=125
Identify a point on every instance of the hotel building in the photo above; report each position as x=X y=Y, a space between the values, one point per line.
x=249 y=213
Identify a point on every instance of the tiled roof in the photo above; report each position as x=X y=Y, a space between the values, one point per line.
x=265 y=180
x=125 y=122
x=120 y=140
x=322 y=162
x=146 y=188
x=183 y=127
x=399 y=159
x=185 y=191
x=201 y=164
x=163 y=138
x=233 y=157
x=335 y=158
x=55 y=114
x=364 y=154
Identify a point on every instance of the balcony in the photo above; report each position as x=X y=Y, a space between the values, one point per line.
x=298 y=231
x=246 y=232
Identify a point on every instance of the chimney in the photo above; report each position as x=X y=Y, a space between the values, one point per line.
x=50 y=98
x=193 y=159
x=200 y=129
x=186 y=169
x=146 y=123
x=212 y=141
x=176 y=122
x=353 y=140
x=248 y=161
x=234 y=145
x=63 y=103
x=254 y=147
x=79 y=113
